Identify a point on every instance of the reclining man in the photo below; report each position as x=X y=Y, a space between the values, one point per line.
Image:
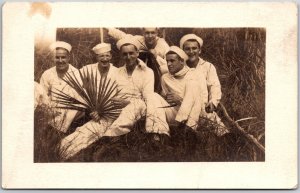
x=135 y=82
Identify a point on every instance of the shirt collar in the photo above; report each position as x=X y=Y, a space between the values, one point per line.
x=182 y=72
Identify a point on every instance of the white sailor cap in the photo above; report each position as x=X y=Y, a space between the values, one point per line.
x=60 y=44
x=102 y=48
x=178 y=51
x=190 y=37
x=128 y=40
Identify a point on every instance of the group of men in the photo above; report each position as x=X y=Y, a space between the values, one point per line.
x=190 y=88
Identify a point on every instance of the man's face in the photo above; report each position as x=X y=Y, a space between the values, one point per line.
x=150 y=35
x=129 y=54
x=103 y=59
x=192 y=49
x=175 y=64
x=61 y=59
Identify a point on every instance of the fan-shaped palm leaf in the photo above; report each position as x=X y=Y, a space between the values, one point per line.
x=93 y=93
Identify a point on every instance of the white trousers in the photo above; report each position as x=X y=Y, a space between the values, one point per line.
x=92 y=131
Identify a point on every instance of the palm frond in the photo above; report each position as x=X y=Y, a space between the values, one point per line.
x=94 y=94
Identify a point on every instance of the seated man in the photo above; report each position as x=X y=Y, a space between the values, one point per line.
x=52 y=81
x=191 y=44
x=183 y=95
x=135 y=84
x=152 y=51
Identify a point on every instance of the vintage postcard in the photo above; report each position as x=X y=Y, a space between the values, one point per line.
x=149 y=95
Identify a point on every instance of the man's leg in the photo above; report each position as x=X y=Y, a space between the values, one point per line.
x=83 y=137
x=157 y=118
x=191 y=106
x=128 y=117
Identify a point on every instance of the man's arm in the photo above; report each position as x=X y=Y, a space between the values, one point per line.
x=214 y=86
x=44 y=83
x=117 y=34
x=148 y=87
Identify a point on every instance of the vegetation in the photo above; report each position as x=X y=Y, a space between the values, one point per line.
x=239 y=57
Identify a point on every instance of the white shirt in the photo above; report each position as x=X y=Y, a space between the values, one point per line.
x=178 y=84
x=94 y=68
x=51 y=82
x=139 y=85
x=208 y=70
x=40 y=95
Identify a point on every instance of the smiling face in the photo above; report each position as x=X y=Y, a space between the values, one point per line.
x=192 y=49
x=175 y=63
x=103 y=59
x=61 y=59
x=129 y=54
x=150 y=35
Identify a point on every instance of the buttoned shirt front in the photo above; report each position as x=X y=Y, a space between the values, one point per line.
x=139 y=85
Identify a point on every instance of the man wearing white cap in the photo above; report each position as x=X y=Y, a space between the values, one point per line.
x=135 y=82
x=103 y=67
x=91 y=131
x=152 y=50
x=52 y=80
x=191 y=44
x=183 y=94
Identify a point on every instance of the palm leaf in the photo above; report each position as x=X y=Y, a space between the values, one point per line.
x=95 y=95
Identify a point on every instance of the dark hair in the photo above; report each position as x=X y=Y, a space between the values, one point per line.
x=172 y=52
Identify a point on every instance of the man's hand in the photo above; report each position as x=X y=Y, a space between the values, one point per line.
x=95 y=116
x=173 y=99
x=152 y=51
x=210 y=107
x=119 y=103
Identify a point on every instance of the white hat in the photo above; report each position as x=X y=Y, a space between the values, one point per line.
x=178 y=51
x=190 y=37
x=128 y=40
x=60 y=44
x=102 y=48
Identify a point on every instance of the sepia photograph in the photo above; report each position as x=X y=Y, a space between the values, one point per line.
x=148 y=95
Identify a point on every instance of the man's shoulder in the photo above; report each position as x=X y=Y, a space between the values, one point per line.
x=205 y=63
x=166 y=76
x=49 y=71
x=162 y=41
x=72 y=68
x=89 y=66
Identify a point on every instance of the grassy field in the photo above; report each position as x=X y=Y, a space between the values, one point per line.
x=239 y=57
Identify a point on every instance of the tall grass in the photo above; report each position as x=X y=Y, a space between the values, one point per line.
x=239 y=57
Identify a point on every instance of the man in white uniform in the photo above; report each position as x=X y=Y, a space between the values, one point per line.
x=135 y=82
x=150 y=41
x=52 y=81
x=183 y=95
x=152 y=51
x=191 y=44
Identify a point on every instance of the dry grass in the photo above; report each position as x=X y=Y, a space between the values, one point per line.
x=239 y=57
